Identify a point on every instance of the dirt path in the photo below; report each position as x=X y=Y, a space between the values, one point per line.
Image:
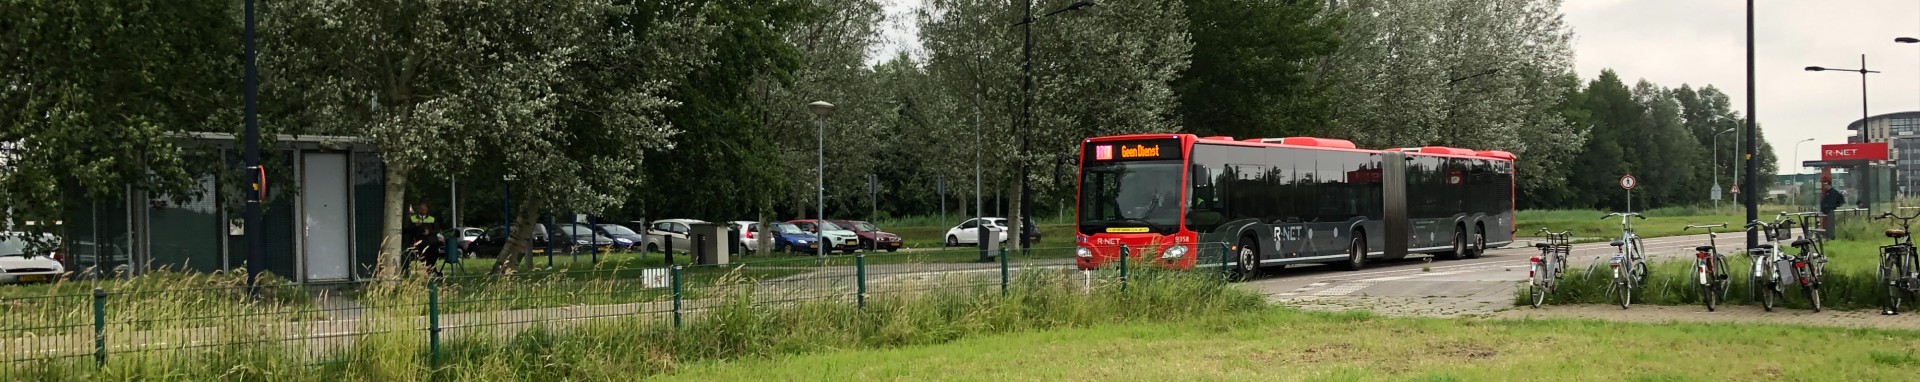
x=1726 y=314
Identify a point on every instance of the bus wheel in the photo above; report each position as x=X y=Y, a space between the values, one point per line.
x=1459 y=246
x=1356 y=254
x=1248 y=258
x=1479 y=243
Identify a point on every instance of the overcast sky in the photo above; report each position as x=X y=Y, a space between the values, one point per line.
x=1703 y=42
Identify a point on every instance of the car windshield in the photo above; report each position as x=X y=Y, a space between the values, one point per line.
x=617 y=229
x=12 y=247
x=575 y=230
x=827 y=225
x=866 y=227
x=1131 y=194
x=788 y=229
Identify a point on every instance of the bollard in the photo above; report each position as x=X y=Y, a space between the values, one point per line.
x=1003 y=272
x=99 y=327
x=433 y=322
x=674 y=275
x=1123 y=267
x=860 y=273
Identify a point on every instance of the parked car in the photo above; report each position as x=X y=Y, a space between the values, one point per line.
x=786 y=237
x=1031 y=230
x=624 y=238
x=467 y=236
x=579 y=237
x=490 y=243
x=968 y=232
x=871 y=236
x=21 y=263
x=674 y=231
x=842 y=239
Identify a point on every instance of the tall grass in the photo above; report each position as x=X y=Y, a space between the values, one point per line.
x=742 y=325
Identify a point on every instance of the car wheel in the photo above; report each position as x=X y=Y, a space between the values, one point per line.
x=1247 y=259
x=953 y=241
x=1459 y=246
x=1356 y=254
x=788 y=248
x=1479 y=243
x=653 y=248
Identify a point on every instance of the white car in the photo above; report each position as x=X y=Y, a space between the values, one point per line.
x=968 y=233
x=18 y=265
x=835 y=236
x=746 y=229
x=671 y=231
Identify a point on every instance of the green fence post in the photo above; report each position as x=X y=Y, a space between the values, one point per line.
x=99 y=327
x=860 y=272
x=1123 y=267
x=433 y=323
x=1003 y=272
x=674 y=275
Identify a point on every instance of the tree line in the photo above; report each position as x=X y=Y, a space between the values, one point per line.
x=696 y=108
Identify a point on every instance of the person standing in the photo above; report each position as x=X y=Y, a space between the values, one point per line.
x=1830 y=199
x=424 y=231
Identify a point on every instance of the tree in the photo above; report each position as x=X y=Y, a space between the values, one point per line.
x=1250 y=73
x=527 y=84
x=92 y=94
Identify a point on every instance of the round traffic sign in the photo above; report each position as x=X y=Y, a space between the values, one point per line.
x=1627 y=182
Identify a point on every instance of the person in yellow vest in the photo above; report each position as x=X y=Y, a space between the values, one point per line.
x=423 y=230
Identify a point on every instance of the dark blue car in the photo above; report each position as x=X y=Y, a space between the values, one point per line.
x=623 y=238
x=786 y=237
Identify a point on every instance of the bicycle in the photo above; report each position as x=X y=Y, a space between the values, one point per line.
x=1764 y=280
x=1630 y=255
x=1898 y=262
x=1547 y=268
x=1810 y=263
x=1709 y=268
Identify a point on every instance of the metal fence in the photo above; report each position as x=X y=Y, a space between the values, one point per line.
x=156 y=318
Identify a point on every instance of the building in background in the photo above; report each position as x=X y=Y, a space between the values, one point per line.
x=1901 y=131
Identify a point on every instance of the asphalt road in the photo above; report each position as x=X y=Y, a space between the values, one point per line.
x=1448 y=287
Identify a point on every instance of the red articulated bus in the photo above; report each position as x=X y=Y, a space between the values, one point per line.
x=1266 y=202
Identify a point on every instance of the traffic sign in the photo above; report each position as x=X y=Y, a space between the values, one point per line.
x=1736 y=189
x=1628 y=182
x=1716 y=192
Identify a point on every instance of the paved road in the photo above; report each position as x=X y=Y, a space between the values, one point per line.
x=1449 y=287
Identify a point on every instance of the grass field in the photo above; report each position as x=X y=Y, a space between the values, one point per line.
x=1281 y=345
x=1659 y=222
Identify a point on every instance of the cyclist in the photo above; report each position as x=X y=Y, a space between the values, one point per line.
x=423 y=231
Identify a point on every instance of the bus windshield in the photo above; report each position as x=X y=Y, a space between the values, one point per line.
x=1135 y=195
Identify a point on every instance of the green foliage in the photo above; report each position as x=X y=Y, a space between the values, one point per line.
x=1250 y=76
x=91 y=93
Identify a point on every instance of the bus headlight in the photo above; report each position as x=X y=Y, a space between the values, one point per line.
x=1082 y=252
x=1174 y=252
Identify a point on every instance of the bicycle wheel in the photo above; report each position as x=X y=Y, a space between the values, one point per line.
x=1892 y=278
x=1810 y=286
x=1763 y=291
x=1537 y=287
x=1625 y=283
x=1704 y=279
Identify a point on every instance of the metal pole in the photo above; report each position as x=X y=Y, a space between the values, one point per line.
x=1866 y=168
x=453 y=202
x=1716 y=171
x=255 y=263
x=979 y=201
x=1026 y=127
x=1752 y=163
x=820 y=187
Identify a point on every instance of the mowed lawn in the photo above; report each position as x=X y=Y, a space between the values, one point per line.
x=1284 y=345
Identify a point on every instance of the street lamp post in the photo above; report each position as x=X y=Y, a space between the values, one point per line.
x=1716 y=167
x=1866 y=176
x=1899 y=167
x=1798 y=170
x=1026 y=113
x=821 y=109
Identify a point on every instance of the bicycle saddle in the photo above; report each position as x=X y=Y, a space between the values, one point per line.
x=1617 y=243
x=1542 y=245
x=1703 y=248
x=1764 y=246
x=1801 y=243
x=1896 y=233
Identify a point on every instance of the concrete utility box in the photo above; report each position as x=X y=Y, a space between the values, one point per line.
x=992 y=242
x=710 y=243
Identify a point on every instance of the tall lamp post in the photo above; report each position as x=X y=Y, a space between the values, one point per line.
x=1866 y=176
x=821 y=109
x=1716 y=167
x=1899 y=168
x=1752 y=163
x=1798 y=170
x=1026 y=112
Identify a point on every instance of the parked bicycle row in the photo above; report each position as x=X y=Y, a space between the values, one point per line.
x=1783 y=263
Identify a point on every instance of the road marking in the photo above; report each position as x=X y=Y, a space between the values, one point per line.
x=1344 y=289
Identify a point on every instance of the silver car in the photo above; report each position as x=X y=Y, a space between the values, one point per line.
x=18 y=264
x=674 y=231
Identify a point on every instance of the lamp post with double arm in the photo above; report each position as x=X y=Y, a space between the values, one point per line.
x=1026 y=112
x=1866 y=177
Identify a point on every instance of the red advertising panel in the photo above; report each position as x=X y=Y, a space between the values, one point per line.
x=1854 y=151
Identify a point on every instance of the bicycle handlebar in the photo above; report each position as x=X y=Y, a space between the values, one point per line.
x=1721 y=225
x=1633 y=214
